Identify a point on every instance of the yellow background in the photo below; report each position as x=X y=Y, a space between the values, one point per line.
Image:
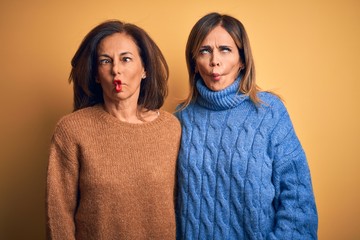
x=307 y=51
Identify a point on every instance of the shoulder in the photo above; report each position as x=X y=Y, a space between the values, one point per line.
x=271 y=102
x=275 y=115
x=168 y=126
x=76 y=121
x=185 y=111
x=77 y=116
x=169 y=118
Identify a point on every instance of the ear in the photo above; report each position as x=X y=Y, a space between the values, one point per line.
x=242 y=66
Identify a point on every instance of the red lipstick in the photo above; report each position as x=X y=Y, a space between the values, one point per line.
x=118 y=86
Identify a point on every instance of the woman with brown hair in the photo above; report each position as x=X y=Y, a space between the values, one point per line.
x=112 y=161
x=242 y=173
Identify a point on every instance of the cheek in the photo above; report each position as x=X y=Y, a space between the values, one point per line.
x=237 y=62
x=232 y=65
x=103 y=72
x=100 y=70
x=201 y=66
x=236 y=65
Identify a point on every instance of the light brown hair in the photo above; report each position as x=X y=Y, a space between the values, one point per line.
x=237 y=31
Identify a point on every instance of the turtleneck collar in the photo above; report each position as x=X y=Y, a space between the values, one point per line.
x=220 y=100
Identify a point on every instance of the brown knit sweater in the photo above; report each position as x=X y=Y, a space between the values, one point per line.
x=112 y=180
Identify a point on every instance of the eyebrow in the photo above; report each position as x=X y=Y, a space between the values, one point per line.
x=209 y=47
x=121 y=54
x=205 y=46
x=227 y=46
x=124 y=53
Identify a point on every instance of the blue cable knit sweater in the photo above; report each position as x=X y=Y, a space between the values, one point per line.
x=242 y=172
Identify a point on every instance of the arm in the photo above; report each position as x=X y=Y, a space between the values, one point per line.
x=294 y=203
x=62 y=189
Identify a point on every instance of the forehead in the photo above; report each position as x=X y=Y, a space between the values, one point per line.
x=218 y=36
x=118 y=42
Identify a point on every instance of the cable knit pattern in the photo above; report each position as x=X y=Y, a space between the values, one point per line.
x=109 y=179
x=242 y=173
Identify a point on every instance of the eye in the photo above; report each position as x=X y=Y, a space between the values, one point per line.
x=104 y=61
x=203 y=51
x=225 y=49
x=126 y=59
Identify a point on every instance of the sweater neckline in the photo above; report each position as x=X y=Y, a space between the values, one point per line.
x=104 y=115
x=220 y=100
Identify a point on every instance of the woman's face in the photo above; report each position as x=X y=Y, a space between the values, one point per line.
x=218 y=60
x=120 y=68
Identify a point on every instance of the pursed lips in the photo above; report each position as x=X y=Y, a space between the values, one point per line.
x=118 y=86
x=215 y=76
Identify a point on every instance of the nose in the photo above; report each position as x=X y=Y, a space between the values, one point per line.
x=215 y=60
x=115 y=68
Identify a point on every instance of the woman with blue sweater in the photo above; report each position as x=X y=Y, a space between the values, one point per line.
x=242 y=172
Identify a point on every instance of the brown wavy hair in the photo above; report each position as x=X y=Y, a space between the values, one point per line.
x=87 y=92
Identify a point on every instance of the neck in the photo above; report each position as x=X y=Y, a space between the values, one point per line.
x=125 y=111
x=130 y=113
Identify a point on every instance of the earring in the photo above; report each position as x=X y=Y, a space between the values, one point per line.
x=144 y=76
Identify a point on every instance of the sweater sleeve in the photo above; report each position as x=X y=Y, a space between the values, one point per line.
x=62 y=185
x=294 y=203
